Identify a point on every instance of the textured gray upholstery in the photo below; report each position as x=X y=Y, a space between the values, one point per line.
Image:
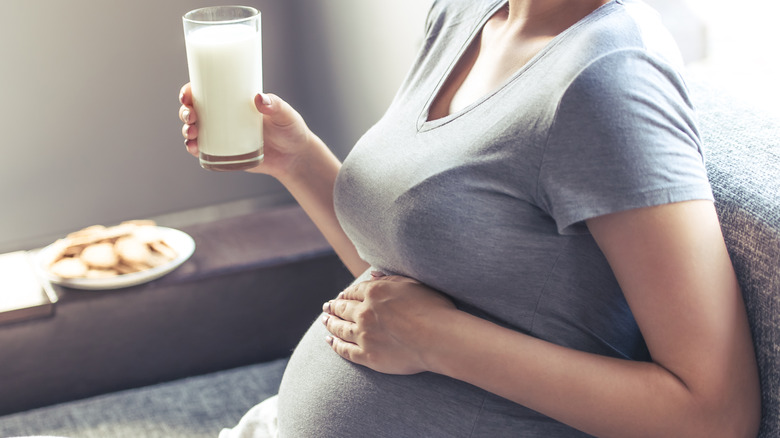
x=743 y=162
x=195 y=407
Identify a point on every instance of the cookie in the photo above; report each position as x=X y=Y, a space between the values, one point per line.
x=100 y=252
x=161 y=247
x=89 y=231
x=147 y=234
x=132 y=251
x=69 y=267
x=99 y=255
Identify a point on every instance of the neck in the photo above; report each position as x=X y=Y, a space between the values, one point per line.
x=548 y=16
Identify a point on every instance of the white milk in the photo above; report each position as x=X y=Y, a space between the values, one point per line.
x=225 y=66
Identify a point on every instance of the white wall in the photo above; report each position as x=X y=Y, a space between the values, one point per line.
x=742 y=55
x=88 y=102
x=371 y=45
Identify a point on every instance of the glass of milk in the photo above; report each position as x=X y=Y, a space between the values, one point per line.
x=224 y=56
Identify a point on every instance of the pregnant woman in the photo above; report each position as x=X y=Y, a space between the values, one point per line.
x=534 y=238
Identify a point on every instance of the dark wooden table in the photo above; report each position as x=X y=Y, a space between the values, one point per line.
x=247 y=294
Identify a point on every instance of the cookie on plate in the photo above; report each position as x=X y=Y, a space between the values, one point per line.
x=99 y=255
x=69 y=267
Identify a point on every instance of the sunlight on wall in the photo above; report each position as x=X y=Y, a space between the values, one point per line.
x=742 y=53
x=373 y=44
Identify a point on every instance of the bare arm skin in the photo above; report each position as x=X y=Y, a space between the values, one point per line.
x=677 y=277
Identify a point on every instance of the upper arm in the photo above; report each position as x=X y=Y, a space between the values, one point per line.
x=673 y=267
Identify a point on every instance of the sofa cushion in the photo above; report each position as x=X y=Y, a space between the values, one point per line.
x=742 y=150
x=189 y=408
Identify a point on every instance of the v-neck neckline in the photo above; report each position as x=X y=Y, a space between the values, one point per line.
x=424 y=124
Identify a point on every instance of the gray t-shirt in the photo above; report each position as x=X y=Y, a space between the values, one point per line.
x=488 y=206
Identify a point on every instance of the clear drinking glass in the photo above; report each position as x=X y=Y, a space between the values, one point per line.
x=224 y=57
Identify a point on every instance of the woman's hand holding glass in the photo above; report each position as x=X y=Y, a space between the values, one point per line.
x=285 y=132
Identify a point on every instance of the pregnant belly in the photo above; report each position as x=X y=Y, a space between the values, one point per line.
x=324 y=395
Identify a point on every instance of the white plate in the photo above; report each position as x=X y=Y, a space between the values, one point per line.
x=180 y=241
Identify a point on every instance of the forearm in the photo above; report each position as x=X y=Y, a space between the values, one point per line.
x=600 y=395
x=310 y=181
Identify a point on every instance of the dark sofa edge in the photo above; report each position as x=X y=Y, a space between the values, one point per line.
x=244 y=297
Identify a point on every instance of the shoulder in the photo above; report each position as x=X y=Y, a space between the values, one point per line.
x=649 y=33
x=621 y=48
x=464 y=5
x=624 y=56
x=628 y=25
x=628 y=78
x=448 y=13
x=627 y=99
x=624 y=133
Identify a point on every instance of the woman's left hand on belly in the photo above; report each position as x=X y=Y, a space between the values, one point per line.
x=381 y=323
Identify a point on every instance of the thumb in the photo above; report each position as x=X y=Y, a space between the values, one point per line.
x=280 y=112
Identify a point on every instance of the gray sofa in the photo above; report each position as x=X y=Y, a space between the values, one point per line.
x=193 y=385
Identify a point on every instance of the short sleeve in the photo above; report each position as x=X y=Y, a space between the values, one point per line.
x=624 y=136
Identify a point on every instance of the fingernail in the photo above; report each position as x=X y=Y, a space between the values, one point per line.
x=324 y=319
x=329 y=340
x=264 y=99
x=186 y=116
x=377 y=274
x=326 y=307
x=181 y=97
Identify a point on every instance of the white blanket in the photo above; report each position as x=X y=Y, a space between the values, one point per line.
x=258 y=422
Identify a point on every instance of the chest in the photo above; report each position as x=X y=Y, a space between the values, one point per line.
x=450 y=199
x=487 y=63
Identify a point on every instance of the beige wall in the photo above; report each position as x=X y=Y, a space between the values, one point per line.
x=88 y=101
x=371 y=45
